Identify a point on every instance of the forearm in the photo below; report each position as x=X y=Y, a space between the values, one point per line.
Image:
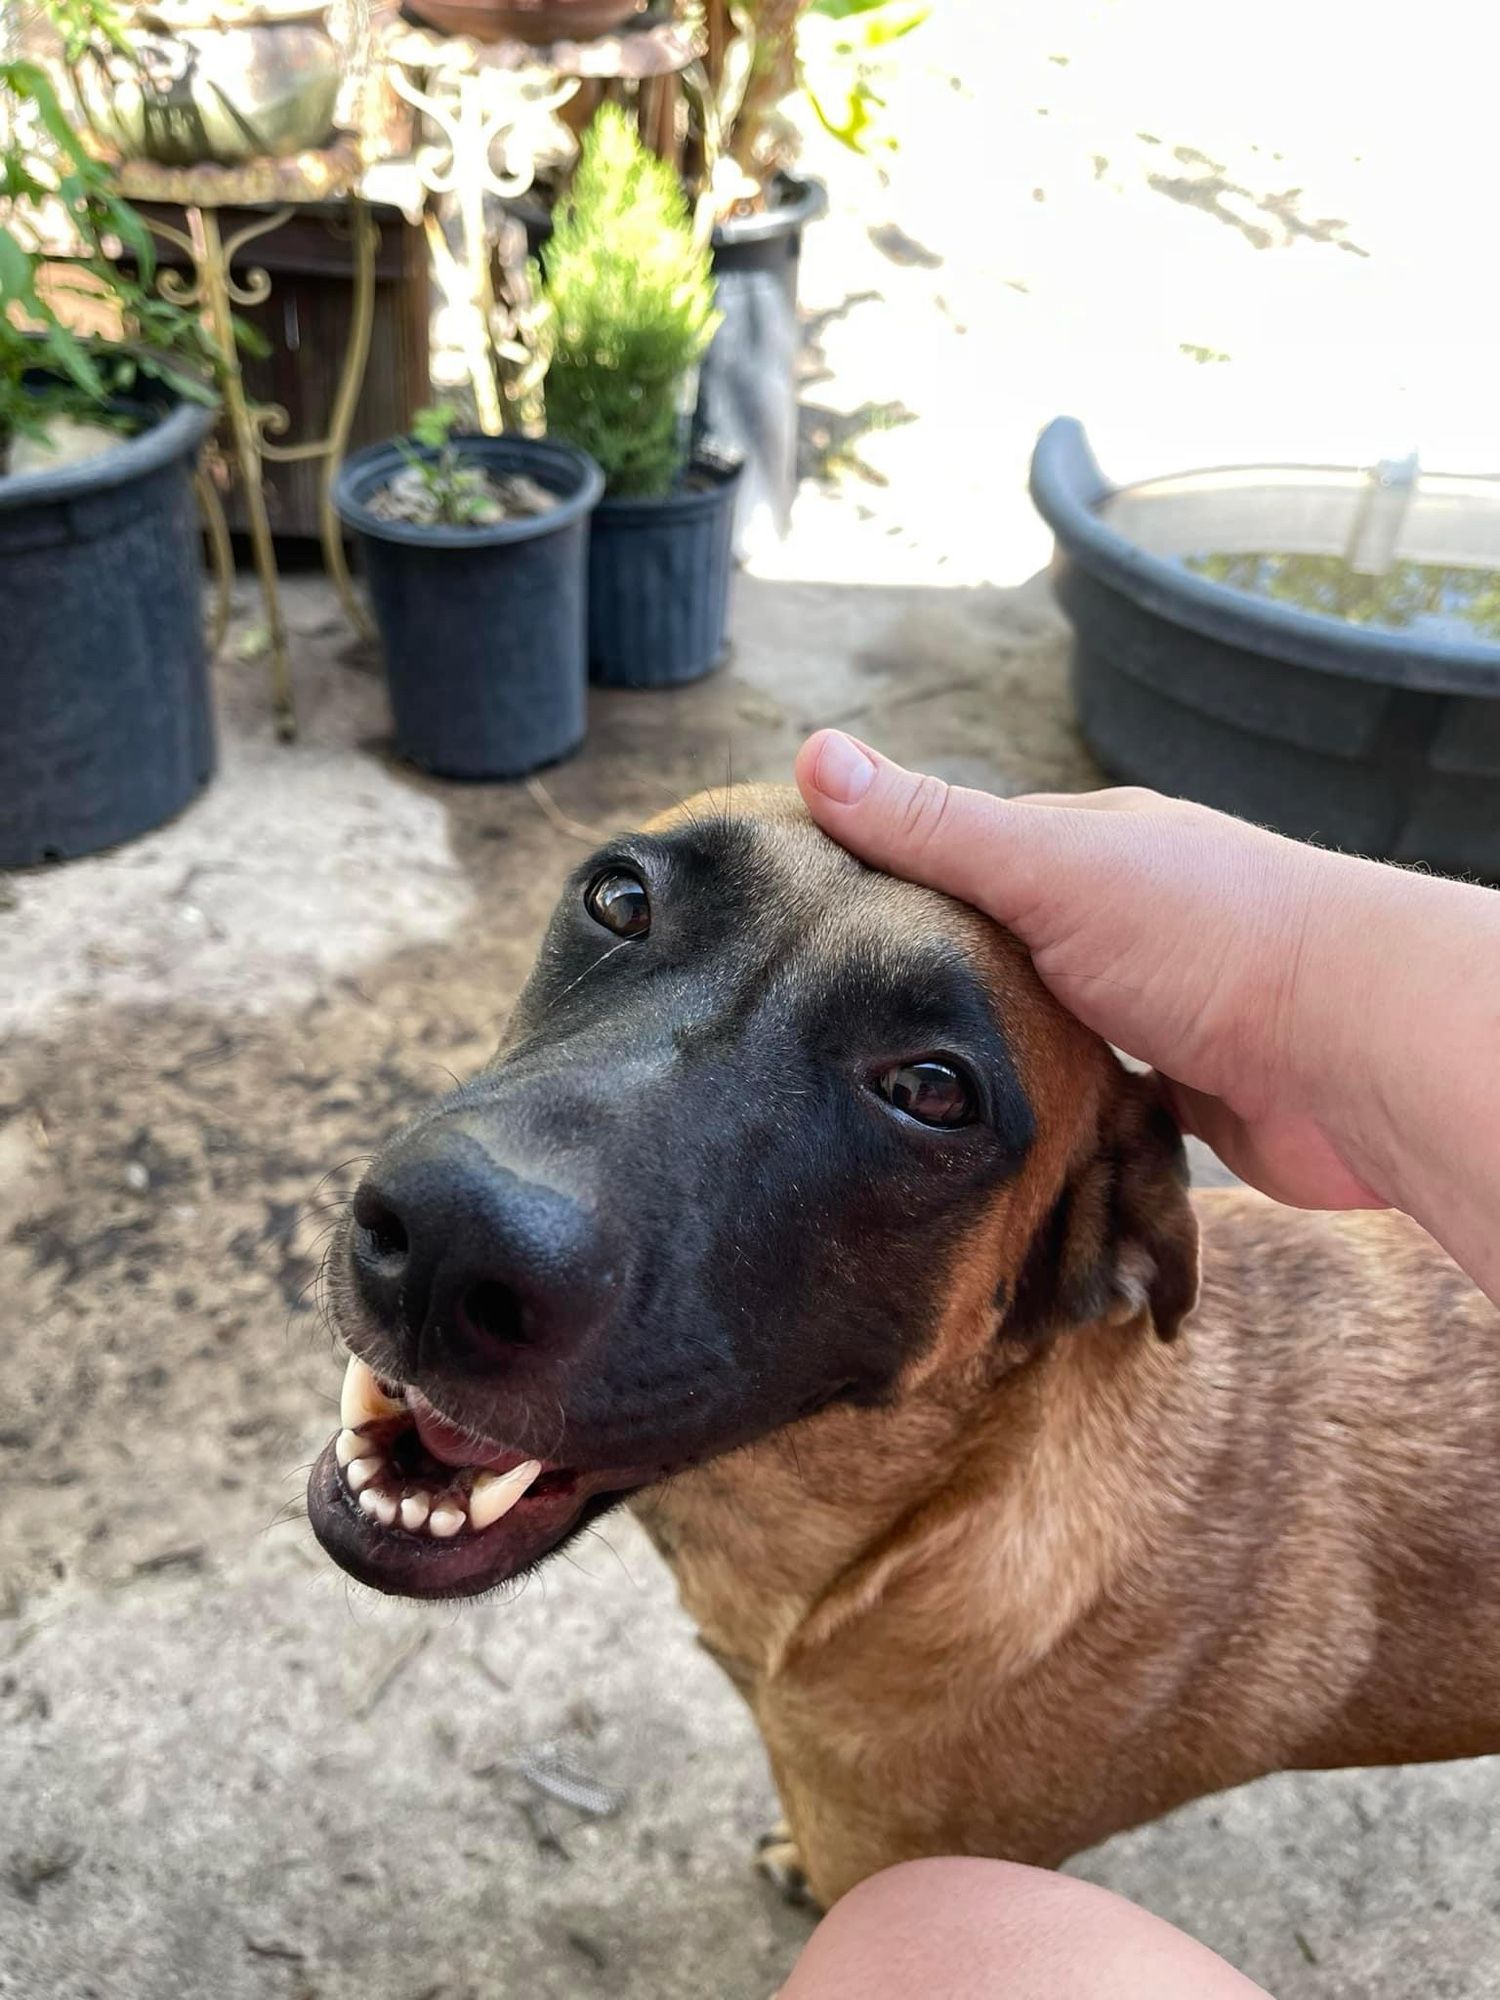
x=1406 y=1035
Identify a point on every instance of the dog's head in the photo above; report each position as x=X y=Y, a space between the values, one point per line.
x=768 y=1132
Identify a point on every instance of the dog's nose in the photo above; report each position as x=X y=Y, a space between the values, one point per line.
x=463 y=1259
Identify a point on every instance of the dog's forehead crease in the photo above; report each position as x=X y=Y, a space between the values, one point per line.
x=770 y=942
x=783 y=875
x=758 y=916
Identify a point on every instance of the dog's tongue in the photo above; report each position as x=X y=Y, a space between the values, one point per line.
x=451 y=1446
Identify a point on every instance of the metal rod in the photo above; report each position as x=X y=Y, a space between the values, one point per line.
x=221 y=555
x=208 y=251
x=351 y=381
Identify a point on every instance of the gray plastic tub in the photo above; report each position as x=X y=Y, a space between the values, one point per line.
x=1308 y=647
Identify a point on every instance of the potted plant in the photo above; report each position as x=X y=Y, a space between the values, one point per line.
x=736 y=158
x=475 y=551
x=758 y=54
x=107 y=722
x=630 y=303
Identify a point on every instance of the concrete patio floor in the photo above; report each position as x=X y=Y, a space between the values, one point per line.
x=225 y=1773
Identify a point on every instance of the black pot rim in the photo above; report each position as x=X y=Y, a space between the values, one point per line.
x=368 y=468
x=625 y=509
x=801 y=201
x=796 y=202
x=176 y=435
x=1068 y=488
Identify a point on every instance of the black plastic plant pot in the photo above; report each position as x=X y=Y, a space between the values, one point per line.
x=106 y=720
x=1313 y=648
x=483 y=629
x=659 y=573
x=747 y=390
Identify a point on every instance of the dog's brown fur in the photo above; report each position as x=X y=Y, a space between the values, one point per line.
x=1081 y=1573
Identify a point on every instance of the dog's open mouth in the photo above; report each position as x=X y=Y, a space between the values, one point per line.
x=410 y=1503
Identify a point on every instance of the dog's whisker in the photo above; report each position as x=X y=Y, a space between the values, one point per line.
x=571 y=987
x=355 y=1160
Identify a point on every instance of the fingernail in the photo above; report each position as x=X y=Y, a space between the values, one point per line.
x=844 y=773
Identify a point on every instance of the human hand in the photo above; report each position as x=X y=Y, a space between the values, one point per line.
x=1262 y=978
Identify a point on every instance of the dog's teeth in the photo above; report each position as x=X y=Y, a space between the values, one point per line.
x=362 y=1400
x=495 y=1493
x=414 y=1510
x=360 y=1471
x=381 y=1505
x=445 y=1520
x=349 y=1445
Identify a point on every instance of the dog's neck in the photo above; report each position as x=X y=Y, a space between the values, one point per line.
x=779 y=1547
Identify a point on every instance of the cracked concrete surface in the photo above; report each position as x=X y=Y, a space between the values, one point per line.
x=223 y=1771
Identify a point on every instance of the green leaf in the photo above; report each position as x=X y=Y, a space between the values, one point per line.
x=19 y=77
x=32 y=82
x=66 y=352
x=17 y=285
x=44 y=160
x=432 y=426
x=902 y=25
x=249 y=339
x=192 y=388
x=847 y=117
x=872 y=24
x=135 y=237
x=892 y=22
x=18 y=183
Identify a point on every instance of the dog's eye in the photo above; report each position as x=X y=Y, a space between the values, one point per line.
x=932 y=1092
x=619 y=901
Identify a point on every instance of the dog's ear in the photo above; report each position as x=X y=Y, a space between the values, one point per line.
x=1121 y=1238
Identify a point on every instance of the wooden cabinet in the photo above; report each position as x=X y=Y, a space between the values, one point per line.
x=305 y=325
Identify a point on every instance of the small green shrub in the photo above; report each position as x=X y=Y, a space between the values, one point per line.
x=631 y=311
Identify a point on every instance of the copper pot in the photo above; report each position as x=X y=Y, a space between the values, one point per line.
x=537 y=21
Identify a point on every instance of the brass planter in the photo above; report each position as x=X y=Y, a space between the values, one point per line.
x=221 y=85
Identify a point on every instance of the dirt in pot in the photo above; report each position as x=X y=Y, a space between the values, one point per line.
x=439 y=488
x=460 y=496
x=60 y=442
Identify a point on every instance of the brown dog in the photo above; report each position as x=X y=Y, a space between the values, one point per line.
x=795 y=1211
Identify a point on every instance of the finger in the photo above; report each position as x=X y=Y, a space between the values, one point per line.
x=1016 y=859
x=906 y=823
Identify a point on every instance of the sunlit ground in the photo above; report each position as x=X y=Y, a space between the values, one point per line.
x=1213 y=235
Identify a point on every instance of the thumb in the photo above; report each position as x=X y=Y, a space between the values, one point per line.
x=994 y=853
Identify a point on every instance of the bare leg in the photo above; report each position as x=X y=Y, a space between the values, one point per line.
x=991 y=1930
